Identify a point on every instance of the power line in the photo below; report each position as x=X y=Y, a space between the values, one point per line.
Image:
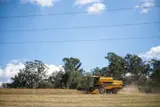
x=73 y=41
x=81 y=27
x=66 y=13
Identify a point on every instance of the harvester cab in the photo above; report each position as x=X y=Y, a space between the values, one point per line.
x=105 y=85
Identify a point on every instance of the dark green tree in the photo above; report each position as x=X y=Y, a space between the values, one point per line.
x=116 y=67
x=72 y=74
x=99 y=71
x=30 y=76
x=136 y=66
x=155 y=75
x=57 y=79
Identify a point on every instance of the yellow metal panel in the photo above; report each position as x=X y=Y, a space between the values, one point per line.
x=117 y=82
x=96 y=91
x=109 y=87
x=106 y=79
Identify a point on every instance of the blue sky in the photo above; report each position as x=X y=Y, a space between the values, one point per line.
x=90 y=53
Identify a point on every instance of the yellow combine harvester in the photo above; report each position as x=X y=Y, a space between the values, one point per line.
x=105 y=85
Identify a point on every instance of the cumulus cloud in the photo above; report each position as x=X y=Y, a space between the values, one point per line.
x=13 y=67
x=1 y=72
x=9 y=71
x=93 y=6
x=53 y=68
x=153 y=53
x=96 y=8
x=145 y=6
x=43 y=3
x=128 y=74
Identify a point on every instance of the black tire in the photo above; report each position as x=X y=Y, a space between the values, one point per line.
x=90 y=89
x=102 y=90
x=108 y=91
x=114 y=91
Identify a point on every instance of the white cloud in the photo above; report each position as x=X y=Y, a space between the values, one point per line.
x=145 y=6
x=96 y=8
x=1 y=72
x=9 y=71
x=0 y=83
x=13 y=67
x=128 y=74
x=153 y=53
x=43 y=3
x=93 y=6
x=84 y=2
x=53 y=68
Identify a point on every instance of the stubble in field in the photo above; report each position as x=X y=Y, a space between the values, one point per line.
x=73 y=98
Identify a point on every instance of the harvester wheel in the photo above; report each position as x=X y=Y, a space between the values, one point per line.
x=101 y=90
x=90 y=90
x=114 y=91
x=108 y=91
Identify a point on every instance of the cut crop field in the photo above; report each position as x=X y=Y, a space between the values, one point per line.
x=73 y=98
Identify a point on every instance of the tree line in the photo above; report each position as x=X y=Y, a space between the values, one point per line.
x=131 y=69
